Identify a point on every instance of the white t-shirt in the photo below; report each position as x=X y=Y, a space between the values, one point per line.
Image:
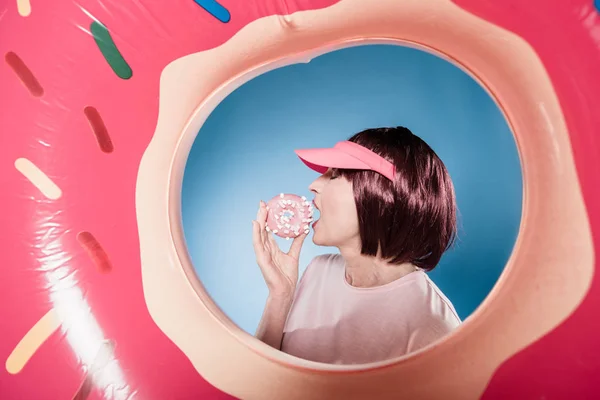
x=333 y=322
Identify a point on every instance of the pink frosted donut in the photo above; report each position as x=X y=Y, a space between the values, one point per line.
x=288 y=215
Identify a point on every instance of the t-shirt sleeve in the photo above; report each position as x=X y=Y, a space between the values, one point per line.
x=428 y=332
x=306 y=275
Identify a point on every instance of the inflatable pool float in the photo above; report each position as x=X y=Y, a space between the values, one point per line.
x=100 y=104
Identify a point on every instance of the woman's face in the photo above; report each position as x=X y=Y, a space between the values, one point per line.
x=338 y=222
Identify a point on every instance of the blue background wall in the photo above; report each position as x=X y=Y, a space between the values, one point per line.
x=244 y=153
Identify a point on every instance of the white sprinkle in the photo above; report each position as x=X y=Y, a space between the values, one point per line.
x=276 y=216
x=286 y=231
x=303 y=198
x=287 y=225
x=268 y=229
x=281 y=195
x=305 y=227
x=38 y=178
x=275 y=231
x=287 y=238
x=307 y=231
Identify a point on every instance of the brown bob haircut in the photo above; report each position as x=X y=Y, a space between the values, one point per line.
x=412 y=219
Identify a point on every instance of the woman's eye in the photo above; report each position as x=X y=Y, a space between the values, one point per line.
x=334 y=175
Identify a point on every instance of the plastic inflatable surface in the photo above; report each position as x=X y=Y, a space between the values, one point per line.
x=100 y=103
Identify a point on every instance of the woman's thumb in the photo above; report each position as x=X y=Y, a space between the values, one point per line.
x=297 y=245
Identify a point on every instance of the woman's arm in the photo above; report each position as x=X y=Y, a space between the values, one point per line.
x=270 y=328
x=277 y=309
x=280 y=271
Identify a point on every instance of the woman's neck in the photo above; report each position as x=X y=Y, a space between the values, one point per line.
x=367 y=271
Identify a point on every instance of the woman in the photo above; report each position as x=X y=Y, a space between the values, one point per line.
x=387 y=203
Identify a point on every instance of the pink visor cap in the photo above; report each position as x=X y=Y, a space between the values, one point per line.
x=346 y=155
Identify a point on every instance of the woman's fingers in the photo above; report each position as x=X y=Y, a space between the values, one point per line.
x=257 y=242
x=273 y=247
x=261 y=218
x=294 y=248
x=297 y=246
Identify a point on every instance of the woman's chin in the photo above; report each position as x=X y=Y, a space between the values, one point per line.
x=316 y=239
x=320 y=241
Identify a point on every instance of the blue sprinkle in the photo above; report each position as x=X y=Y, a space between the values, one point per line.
x=215 y=9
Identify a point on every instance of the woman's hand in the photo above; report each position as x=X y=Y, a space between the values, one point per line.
x=279 y=269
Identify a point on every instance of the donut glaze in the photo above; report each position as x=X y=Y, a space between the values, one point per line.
x=289 y=215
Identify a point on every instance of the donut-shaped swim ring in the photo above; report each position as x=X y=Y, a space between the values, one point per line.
x=100 y=104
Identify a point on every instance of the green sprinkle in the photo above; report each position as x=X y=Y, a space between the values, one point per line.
x=109 y=50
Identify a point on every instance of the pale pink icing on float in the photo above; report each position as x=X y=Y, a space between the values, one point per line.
x=289 y=215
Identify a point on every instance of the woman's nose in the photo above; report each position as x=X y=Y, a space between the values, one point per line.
x=315 y=185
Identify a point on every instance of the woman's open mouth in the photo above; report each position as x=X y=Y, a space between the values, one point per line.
x=317 y=209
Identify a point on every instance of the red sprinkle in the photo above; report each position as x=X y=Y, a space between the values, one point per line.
x=99 y=129
x=95 y=251
x=24 y=74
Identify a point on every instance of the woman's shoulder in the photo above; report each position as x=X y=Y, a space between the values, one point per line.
x=438 y=306
x=330 y=260
x=323 y=264
x=319 y=269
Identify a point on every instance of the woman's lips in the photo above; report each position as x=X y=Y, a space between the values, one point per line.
x=317 y=208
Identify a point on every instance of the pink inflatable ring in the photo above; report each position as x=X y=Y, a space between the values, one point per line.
x=99 y=107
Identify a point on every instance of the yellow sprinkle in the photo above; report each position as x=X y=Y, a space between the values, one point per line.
x=24 y=8
x=31 y=342
x=38 y=178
